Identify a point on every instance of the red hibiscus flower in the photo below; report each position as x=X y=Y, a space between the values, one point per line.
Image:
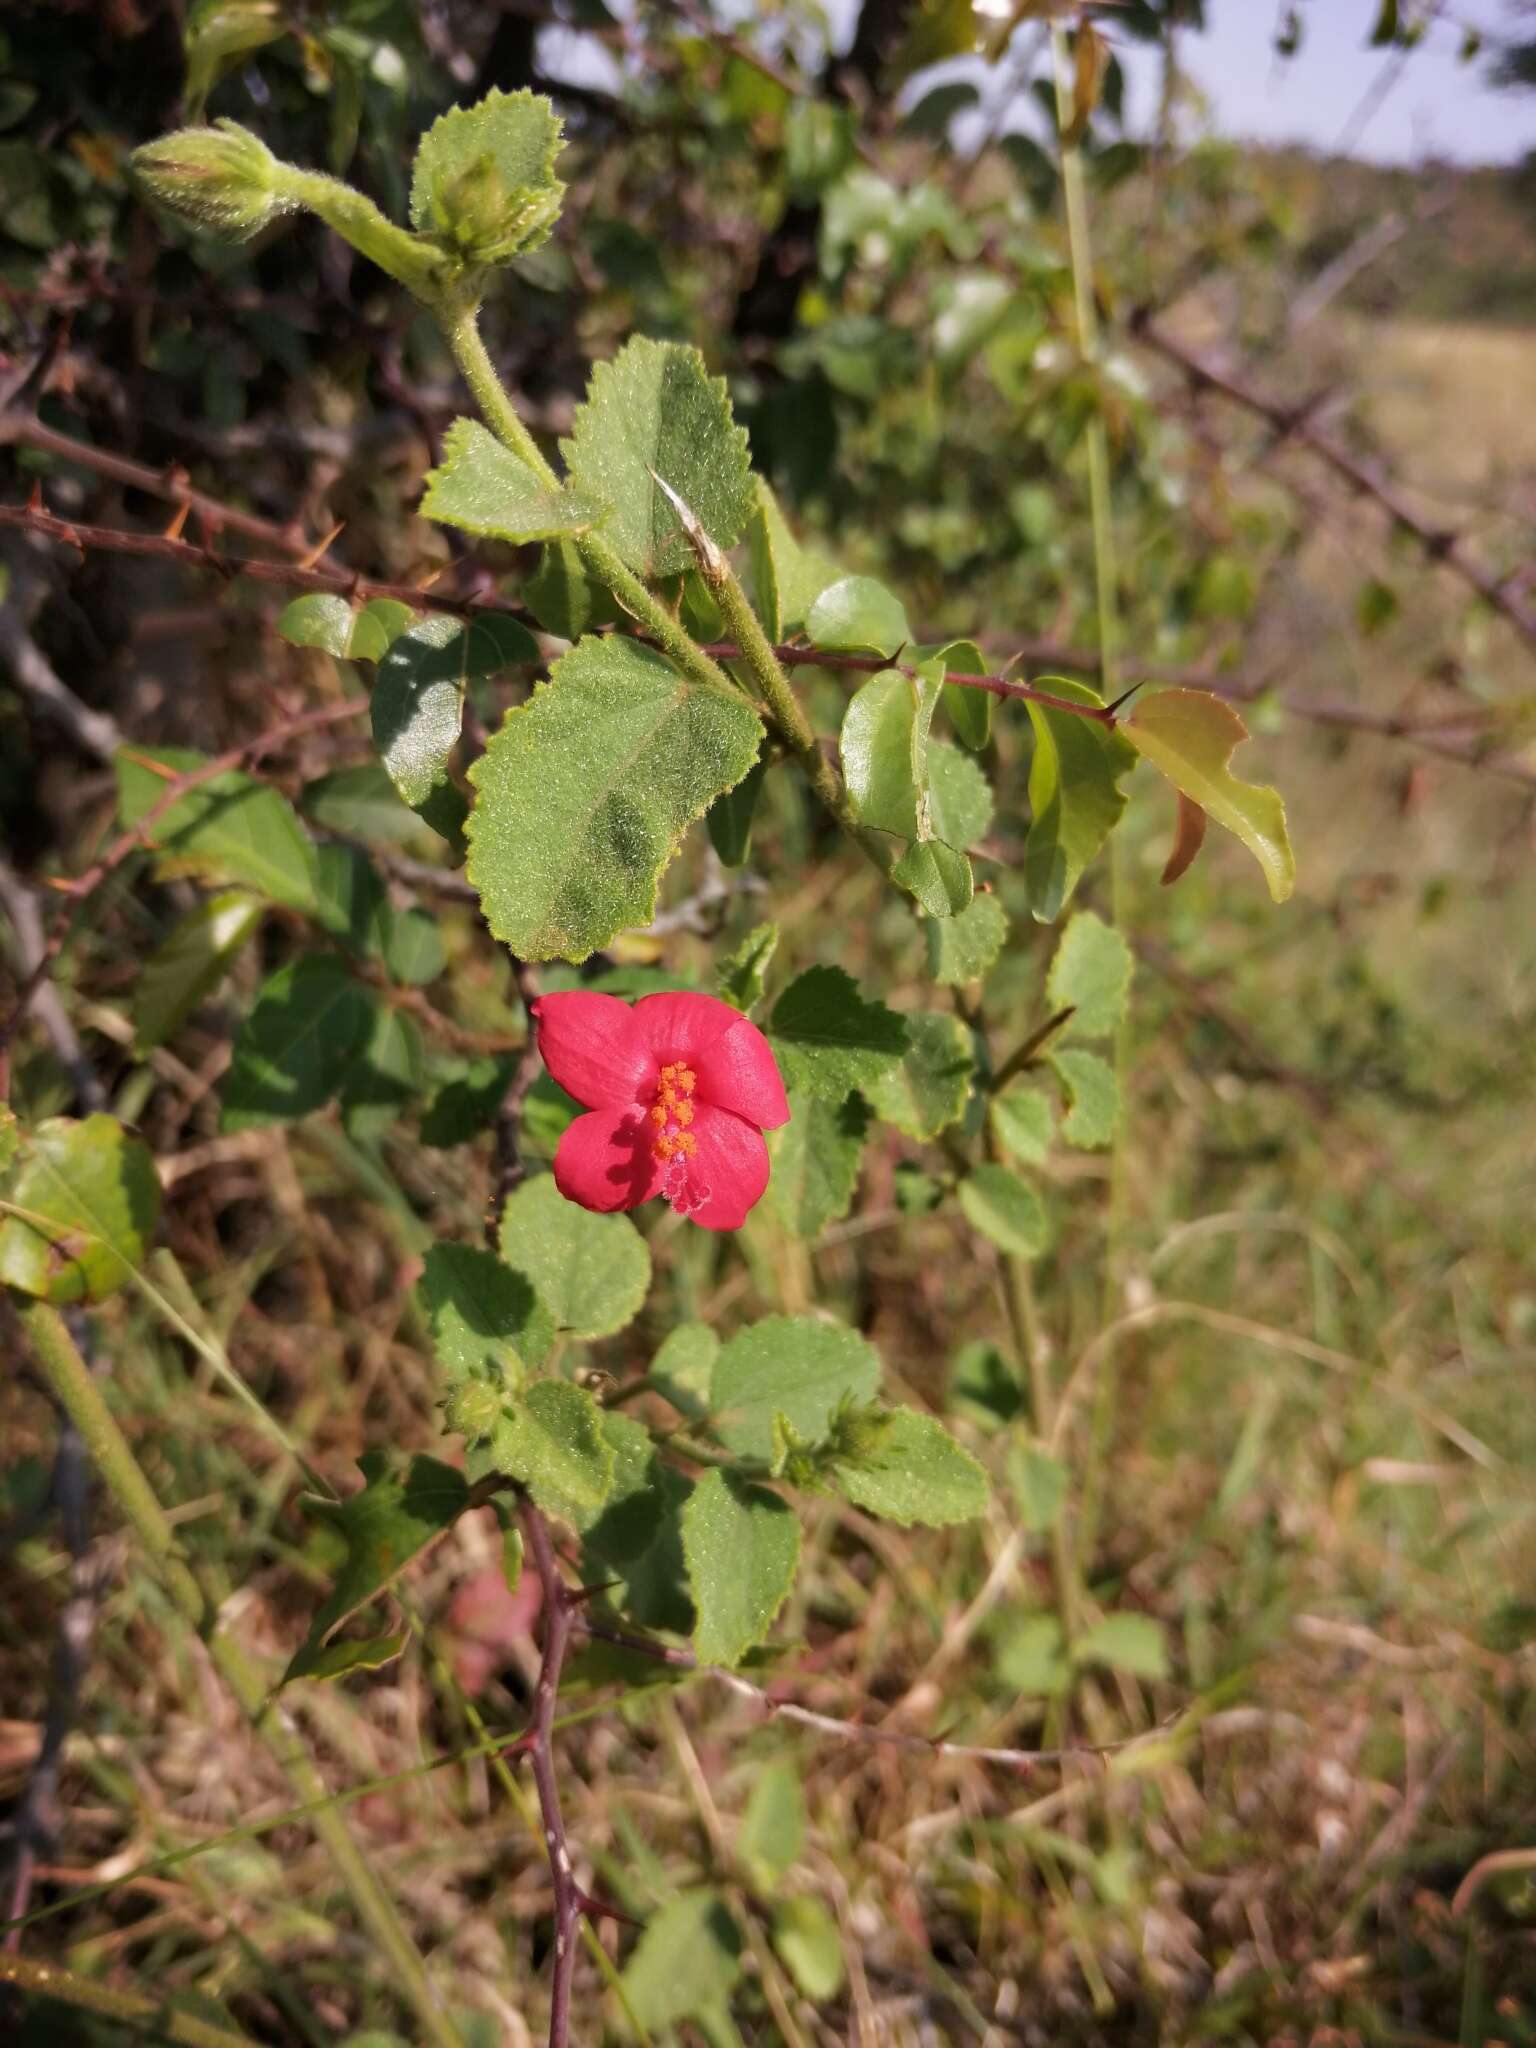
x=678 y=1090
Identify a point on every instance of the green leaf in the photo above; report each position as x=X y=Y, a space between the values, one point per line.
x=1191 y=736
x=1039 y=1485
x=786 y=578
x=983 y=1384
x=1090 y=973
x=771 y=1838
x=914 y=1471
x=92 y=1196
x=231 y=829
x=828 y=1039
x=684 y=1366
x=294 y=1050
x=417 y=705
x=413 y=948
x=729 y=818
x=857 y=615
x=970 y=709
x=816 y=1161
x=1023 y=1120
x=687 y=1961
x=550 y=1439
x=885 y=763
x=484 y=178
x=1075 y=798
x=338 y=626
x=741 y=1544
x=363 y=803
x=585 y=792
x=341 y=1659
x=939 y=876
x=564 y=598
x=468 y=1102
x=1029 y=1659
x=655 y=412
x=1135 y=1643
x=350 y=902
x=635 y=1543
x=390 y=1521
x=484 y=488
x=591 y=1272
x=927 y=1091
x=1093 y=1095
x=810 y=1945
x=480 y=1313
x=742 y=975
x=965 y=947
x=188 y=964
x=959 y=796
x=800 y=1367
x=1004 y=1209
x=388 y=1072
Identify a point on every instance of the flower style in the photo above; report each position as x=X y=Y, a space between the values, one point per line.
x=678 y=1091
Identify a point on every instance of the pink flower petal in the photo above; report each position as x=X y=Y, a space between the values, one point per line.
x=738 y=1072
x=590 y=1045
x=682 y=1026
x=731 y=1162
x=604 y=1161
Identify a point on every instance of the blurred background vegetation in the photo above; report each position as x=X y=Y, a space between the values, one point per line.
x=1297 y=1301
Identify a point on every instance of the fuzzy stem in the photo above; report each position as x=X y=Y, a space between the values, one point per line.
x=80 y=1396
x=788 y=712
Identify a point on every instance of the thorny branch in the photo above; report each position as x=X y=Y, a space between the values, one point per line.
x=538 y=1743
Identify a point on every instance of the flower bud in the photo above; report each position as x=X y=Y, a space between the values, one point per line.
x=484 y=221
x=222 y=179
x=473 y=1409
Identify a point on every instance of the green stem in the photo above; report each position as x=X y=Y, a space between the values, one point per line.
x=47 y=1980
x=81 y=1397
x=459 y=319
x=777 y=693
x=414 y=262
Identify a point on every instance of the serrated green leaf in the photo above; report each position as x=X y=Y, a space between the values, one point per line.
x=1006 y=1210
x=686 y=1962
x=1136 y=1643
x=965 y=947
x=1023 y=1120
x=387 y=1523
x=815 y=1161
x=1191 y=736
x=337 y=626
x=799 y=1367
x=857 y=615
x=655 y=411
x=742 y=975
x=188 y=964
x=1093 y=1096
x=294 y=1050
x=484 y=178
x=232 y=829
x=959 y=796
x=939 y=876
x=772 y=1833
x=729 y=818
x=684 y=1366
x=926 y=1091
x=828 y=1039
x=1075 y=798
x=810 y=1945
x=482 y=487
x=591 y=1272
x=1090 y=973
x=741 y=1544
x=584 y=793
x=417 y=705
x=914 y=1472
x=481 y=1313
x=550 y=1439
x=91 y=1197
x=786 y=578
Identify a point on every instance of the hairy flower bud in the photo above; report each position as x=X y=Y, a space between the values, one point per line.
x=222 y=179
x=484 y=221
x=473 y=1409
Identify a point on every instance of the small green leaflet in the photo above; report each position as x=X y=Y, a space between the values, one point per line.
x=683 y=1367
x=189 y=963
x=786 y=578
x=231 y=829
x=551 y=1440
x=687 y=1961
x=885 y=766
x=91 y=1199
x=914 y=1471
x=655 y=412
x=857 y=615
x=480 y=1312
x=1135 y=1643
x=1191 y=737
x=591 y=1272
x=1093 y=1096
x=417 y=707
x=810 y=1945
x=1090 y=973
x=1022 y=1119
x=801 y=1367
x=741 y=1544
x=970 y=709
x=564 y=598
x=584 y=794
x=297 y=1045
x=1006 y=1210
x=927 y=1091
x=772 y=1833
x=816 y=1161
x=384 y=1526
x=742 y=974
x=484 y=178
x=828 y=1039
x=337 y=626
x=965 y=947
x=1075 y=798
x=636 y=1541
x=484 y=488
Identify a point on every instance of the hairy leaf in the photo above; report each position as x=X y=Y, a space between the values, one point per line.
x=1090 y=971
x=417 y=705
x=828 y=1039
x=1005 y=1209
x=800 y=1367
x=816 y=1161
x=741 y=975
x=1093 y=1096
x=591 y=1272
x=585 y=792
x=481 y=1312
x=914 y=1471
x=484 y=177
x=926 y=1092
x=1022 y=1119
x=741 y=1544
x=481 y=486
x=965 y=947
x=550 y=1439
